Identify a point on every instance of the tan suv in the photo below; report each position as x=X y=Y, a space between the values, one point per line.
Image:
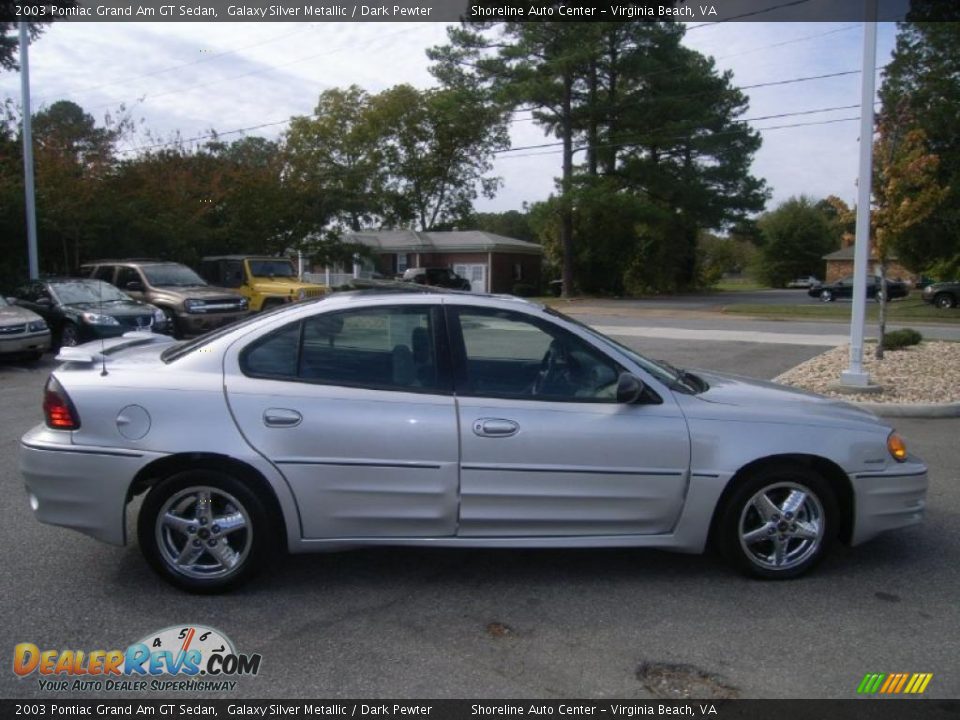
x=265 y=281
x=191 y=305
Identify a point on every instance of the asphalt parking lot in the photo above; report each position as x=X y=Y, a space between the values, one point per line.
x=404 y=623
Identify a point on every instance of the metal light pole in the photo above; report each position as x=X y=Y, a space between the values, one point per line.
x=855 y=375
x=28 y=153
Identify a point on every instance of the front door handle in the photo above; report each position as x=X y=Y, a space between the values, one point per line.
x=495 y=427
x=281 y=417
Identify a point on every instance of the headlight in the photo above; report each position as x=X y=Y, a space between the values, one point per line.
x=159 y=317
x=191 y=305
x=98 y=319
x=301 y=294
x=897 y=447
x=244 y=304
x=37 y=326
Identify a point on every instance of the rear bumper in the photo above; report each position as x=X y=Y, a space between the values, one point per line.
x=79 y=487
x=888 y=500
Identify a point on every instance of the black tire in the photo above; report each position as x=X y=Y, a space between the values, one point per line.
x=826 y=296
x=777 y=481
x=173 y=326
x=34 y=356
x=69 y=335
x=944 y=301
x=253 y=544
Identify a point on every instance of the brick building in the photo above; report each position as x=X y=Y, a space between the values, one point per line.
x=492 y=263
x=840 y=265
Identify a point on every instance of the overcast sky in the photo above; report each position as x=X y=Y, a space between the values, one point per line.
x=193 y=77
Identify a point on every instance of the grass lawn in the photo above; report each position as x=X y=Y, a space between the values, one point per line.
x=739 y=285
x=899 y=311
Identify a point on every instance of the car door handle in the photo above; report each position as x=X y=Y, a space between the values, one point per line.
x=281 y=417
x=495 y=427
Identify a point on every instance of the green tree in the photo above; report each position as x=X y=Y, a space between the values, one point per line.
x=512 y=223
x=797 y=234
x=922 y=81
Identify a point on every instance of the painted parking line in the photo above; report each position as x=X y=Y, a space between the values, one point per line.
x=751 y=336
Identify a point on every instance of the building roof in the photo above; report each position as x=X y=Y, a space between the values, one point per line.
x=399 y=241
x=847 y=254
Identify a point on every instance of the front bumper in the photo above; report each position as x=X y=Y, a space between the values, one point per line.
x=34 y=342
x=79 y=487
x=199 y=323
x=887 y=500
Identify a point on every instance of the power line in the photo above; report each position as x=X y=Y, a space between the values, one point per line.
x=747 y=14
x=624 y=144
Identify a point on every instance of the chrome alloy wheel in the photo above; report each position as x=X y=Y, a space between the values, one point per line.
x=782 y=526
x=203 y=532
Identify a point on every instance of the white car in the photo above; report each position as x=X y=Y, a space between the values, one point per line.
x=804 y=282
x=22 y=331
x=447 y=419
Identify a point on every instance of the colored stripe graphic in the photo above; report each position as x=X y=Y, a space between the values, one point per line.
x=894 y=683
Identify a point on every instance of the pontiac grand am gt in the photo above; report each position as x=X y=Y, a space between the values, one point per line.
x=447 y=419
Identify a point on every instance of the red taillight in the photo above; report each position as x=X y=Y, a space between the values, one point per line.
x=57 y=408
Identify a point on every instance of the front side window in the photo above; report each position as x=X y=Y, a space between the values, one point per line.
x=127 y=275
x=105 y=273
x=383 y=348
x=507 y=354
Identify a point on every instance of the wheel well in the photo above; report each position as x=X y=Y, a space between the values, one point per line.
x=156 y=471
x=827 y=469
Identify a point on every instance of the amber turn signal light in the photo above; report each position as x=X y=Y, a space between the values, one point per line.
x=897 y=447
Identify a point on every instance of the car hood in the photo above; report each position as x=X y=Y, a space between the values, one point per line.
x=763 y=400
x=199 y=292
x=264 y=284
x=14 y=315
x=126 y=307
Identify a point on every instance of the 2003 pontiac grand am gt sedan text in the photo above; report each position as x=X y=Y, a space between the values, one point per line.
x=447 y=419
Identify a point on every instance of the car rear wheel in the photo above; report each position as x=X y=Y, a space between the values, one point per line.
x=778 y=523
x=945 y=301
x=205 y=531
x=826 y=296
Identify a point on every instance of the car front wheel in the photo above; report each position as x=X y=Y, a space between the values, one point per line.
x=945 y=301
x=779 y=523
x=69 y=335
x=205 y=531
x=826 y=296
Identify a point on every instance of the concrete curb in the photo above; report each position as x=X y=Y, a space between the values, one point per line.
x=911 y=410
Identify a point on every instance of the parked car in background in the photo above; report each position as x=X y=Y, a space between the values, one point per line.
x=436 y=277
x=803 y=282
x=266 y=282
x=189 y=303
x=448 y=419
x=844 y=289
x=944 y=295
x=22 y=331
x=78 y=310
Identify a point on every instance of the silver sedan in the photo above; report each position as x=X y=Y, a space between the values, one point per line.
x=447 y=419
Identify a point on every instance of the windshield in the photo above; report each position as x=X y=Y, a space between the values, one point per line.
x=272 y=268
x=663 y=371
x=85 y=291
x=172 y=275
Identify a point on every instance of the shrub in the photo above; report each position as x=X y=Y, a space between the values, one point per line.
x=899 y=339
x=525 y=290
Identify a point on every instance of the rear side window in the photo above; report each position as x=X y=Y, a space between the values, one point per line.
x=105 y=273
x=382 y=348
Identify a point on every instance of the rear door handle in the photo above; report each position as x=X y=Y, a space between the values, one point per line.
x=495 y=427
x=281 y=417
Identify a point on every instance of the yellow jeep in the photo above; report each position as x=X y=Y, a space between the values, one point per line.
x=265 y=281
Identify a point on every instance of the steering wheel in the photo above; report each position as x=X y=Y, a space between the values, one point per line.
x=550 y=367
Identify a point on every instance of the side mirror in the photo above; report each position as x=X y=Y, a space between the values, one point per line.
x=629 y=388
x=134 y=285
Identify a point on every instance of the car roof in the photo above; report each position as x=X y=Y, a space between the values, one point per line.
x=245 y=257
x=130 y=261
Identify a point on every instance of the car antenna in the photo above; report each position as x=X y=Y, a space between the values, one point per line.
x=103 y=357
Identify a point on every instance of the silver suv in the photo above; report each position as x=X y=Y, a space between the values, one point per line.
x=191 y=305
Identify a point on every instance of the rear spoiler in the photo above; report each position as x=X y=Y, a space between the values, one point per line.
x=96 y=350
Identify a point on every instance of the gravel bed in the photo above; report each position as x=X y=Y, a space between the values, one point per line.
x=925 y=373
